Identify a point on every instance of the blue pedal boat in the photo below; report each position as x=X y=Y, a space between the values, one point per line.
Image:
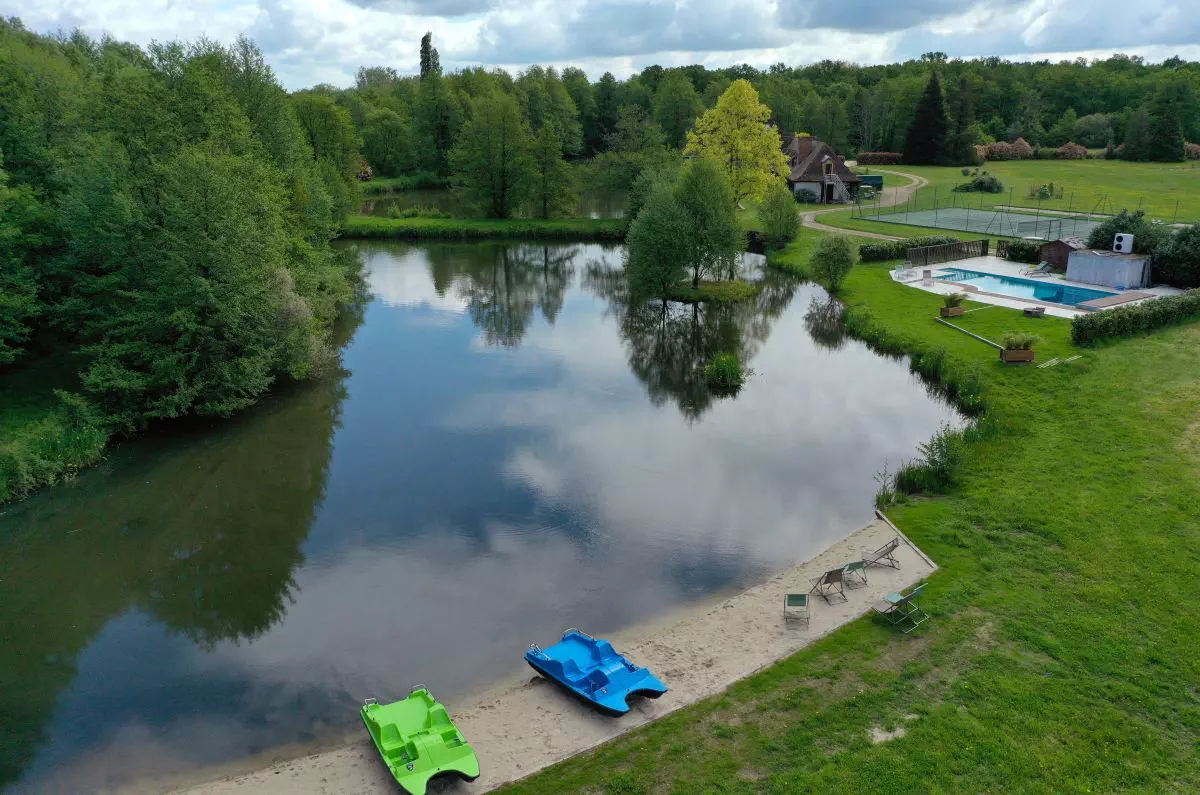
x=593 y=671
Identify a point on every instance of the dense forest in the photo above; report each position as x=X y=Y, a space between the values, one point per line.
x=167 y=218
x=409 y=123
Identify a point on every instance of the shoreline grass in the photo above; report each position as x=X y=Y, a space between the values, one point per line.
x=717 y=292
x=580 y=229
x=382 y=186
x=1052 y=662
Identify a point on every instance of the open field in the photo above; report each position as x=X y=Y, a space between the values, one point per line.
x=1052 y=659
x=1156 y=188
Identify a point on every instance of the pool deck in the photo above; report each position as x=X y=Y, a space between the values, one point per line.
x=1000 y=267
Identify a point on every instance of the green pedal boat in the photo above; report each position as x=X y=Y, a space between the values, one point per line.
x=418 y=741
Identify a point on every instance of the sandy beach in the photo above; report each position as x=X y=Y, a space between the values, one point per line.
x=526 y=724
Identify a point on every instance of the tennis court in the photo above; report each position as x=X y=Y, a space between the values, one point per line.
x=986 y=221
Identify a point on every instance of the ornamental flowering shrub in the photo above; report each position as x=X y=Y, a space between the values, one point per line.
x=879 y=158
x=1071 y=151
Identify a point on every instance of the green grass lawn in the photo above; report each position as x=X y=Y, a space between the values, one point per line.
x=1154 y=187
x=1062 y=652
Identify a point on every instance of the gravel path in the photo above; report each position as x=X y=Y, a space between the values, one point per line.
x=890 y=197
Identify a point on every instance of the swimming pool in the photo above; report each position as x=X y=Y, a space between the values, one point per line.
x=1030 y=289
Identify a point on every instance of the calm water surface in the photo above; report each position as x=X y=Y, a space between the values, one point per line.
x=510 y=449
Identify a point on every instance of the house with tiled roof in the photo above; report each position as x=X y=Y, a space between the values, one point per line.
x=819 y=171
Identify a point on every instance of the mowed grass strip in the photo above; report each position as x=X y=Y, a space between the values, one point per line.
x=371 y=227
x=1062 y=651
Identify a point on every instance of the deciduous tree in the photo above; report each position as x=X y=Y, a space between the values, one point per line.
x=676 y=105
x=735 y=136
x=492 y=163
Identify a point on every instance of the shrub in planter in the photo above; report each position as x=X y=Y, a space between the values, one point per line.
x=952 y=304
x=1018 y=347
x=1071 y=151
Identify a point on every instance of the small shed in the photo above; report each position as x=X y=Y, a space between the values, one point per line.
x=1058 y=252
x=1109 y=268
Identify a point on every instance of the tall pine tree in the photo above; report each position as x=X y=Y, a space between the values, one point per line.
x=929 y=133
x=1165 y=143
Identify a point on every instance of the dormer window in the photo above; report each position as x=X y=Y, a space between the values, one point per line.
x=828 y=167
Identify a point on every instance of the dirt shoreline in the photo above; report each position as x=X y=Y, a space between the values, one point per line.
x=525 y=724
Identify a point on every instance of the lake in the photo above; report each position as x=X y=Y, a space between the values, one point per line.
x=509 y=448
x=592 y=203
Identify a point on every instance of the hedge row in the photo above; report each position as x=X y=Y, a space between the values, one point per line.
x=603 y=230
x=879 y=158
x=894 y=249
x=1027 y=251
x=1125 y=321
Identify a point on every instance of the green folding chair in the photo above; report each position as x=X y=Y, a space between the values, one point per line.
x=855 y=574
x=901 y=610
x=798 y=604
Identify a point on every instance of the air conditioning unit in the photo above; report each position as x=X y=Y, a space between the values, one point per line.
x=1123 y=243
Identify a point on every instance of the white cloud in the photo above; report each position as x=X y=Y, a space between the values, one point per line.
x=310 y=42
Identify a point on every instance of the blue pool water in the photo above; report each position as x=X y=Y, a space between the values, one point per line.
x=1035 y=289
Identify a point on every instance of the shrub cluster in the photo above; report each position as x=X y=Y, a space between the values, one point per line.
x=1002 y=150
x=981 y=183
x=894 y=249
x=1125 y=321
x=724 y=373
x=1177 y=261
x=879 y=158
x=372 y=227
x=1191 y=151
x=1027 y=251
x=1071 y=151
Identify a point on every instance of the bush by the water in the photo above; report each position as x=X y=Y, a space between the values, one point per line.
x=724 y=373
x=879 y=158
x=1125 y=321
x=832 y=261
x=780 y=221
x=938 y=467
x=417 y=212
x=894 y=249
x=1027 y=251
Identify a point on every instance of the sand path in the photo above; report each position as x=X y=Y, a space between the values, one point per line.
x=890 y=197
x=526 y=724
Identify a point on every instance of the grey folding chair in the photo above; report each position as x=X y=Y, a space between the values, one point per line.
x=885 y=555
x=829 y=584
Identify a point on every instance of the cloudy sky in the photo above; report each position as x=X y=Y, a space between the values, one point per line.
x=313 y=41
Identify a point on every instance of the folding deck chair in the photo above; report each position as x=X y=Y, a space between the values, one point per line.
x=902 y=610
x=830 y=584
x=797 y=602
x=884 y=556
x=855 y=574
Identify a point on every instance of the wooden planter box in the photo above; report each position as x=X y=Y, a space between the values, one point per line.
x=952 y=311
x=1016 y=357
